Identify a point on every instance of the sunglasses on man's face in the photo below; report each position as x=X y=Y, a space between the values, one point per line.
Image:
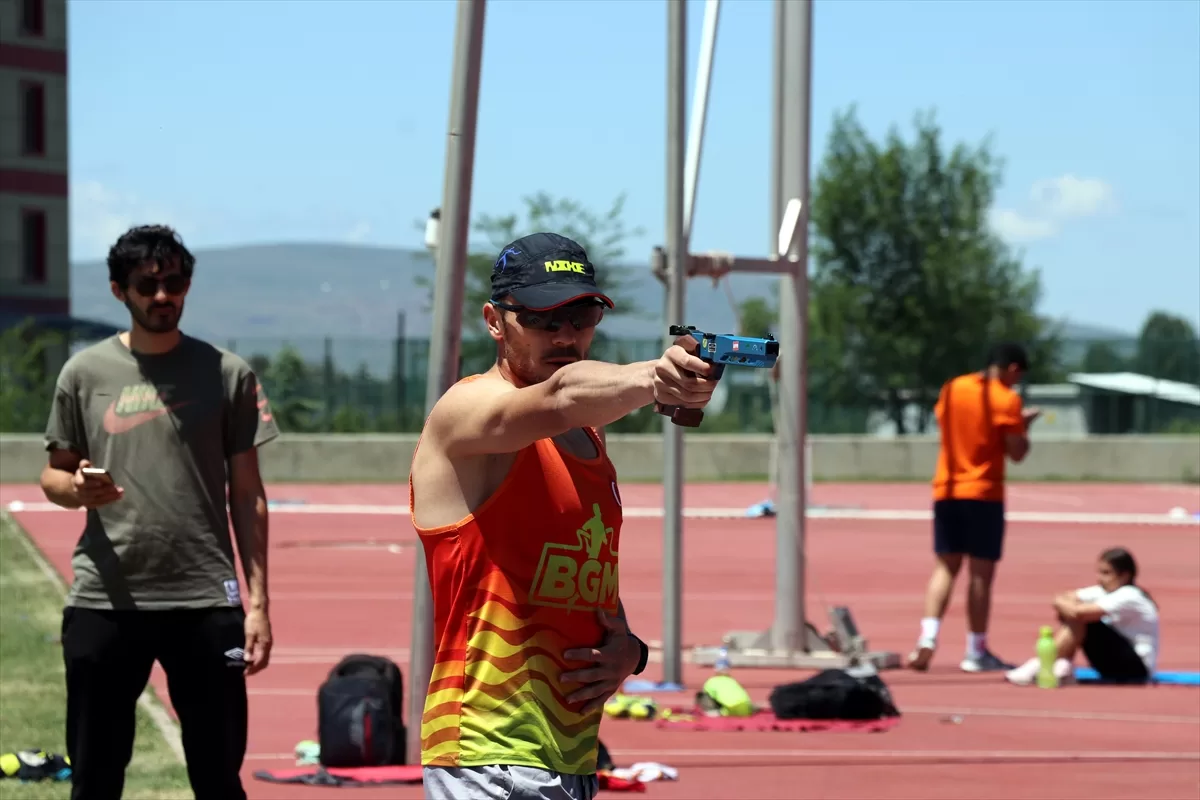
x=580 y=316
x=147 y=286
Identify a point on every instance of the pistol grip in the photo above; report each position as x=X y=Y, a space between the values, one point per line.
x=689 y=417
x=684 y=417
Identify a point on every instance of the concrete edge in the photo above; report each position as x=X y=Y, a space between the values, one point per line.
x=638 y=458
x=149 y=701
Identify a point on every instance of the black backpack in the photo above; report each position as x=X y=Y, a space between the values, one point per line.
x=360 y=713
x=834 y=694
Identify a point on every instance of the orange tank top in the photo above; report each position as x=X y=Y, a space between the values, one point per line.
x=514 y=585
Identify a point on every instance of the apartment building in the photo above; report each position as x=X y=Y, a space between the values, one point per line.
x=35 y=276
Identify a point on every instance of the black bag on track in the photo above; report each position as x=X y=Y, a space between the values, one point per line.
x=834 y=694
x=360 y=713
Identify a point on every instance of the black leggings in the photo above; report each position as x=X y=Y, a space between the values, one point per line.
x=108 y=657
x=1112 y=655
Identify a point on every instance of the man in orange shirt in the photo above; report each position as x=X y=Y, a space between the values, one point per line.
x=982 y=421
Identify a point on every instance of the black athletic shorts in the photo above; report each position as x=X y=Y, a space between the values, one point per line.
x=969 y=527
x=1112 y=655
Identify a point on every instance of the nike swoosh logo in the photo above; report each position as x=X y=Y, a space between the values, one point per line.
x=115 y=425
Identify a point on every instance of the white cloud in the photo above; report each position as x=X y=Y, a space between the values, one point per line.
x=359 y=233
x=1054 y=201
x=1068 y=197
x=99 y=215
x=1012 y=226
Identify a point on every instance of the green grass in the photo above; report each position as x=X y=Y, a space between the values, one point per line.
x=32 y=693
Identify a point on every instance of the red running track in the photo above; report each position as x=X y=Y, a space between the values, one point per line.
x=1085 y=742
x=1049 y=497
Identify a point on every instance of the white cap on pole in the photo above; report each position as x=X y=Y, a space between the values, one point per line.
x=431 y=230
x=789 y=228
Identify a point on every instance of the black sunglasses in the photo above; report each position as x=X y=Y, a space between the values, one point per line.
x=579 y=316
x=171 y=284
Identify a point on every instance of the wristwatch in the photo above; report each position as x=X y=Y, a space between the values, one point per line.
x=643 y=656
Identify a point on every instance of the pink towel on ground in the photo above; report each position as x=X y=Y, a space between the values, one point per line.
x=766 y=721
x=339 y=776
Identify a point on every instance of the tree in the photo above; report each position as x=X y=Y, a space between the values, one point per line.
x=26 y=382
x=1168 y=349
x=910 y=286
x=757 y=316
x=603 y=236
x=290 y=387
x=1101 y=357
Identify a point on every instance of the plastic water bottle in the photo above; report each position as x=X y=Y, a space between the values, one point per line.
x=722 y=663
x=1047 y=654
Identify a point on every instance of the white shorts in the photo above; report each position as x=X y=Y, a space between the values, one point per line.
x=505 y=782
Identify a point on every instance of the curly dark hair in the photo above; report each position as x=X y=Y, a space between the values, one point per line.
x=158 y=243
x=1006 y=354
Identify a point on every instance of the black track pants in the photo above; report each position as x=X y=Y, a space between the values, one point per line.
x=108 y=657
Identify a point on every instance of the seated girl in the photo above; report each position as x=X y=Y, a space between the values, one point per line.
x=1115 y=623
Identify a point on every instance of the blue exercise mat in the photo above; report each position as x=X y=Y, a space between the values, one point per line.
x=637 y=685
x=1172 y=678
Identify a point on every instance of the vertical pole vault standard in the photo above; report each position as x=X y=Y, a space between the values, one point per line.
x=790 y=641
x=779 y=43
x=699 y=117
x=675 y=294
x=449 y=286
x=789 y=632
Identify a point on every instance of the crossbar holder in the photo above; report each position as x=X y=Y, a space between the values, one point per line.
x=716 y=264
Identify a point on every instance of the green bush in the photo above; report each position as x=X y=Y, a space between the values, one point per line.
x=29 y=359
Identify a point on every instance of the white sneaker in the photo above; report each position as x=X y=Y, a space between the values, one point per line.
x=920 y=657
x=1025 y=674
x=985 y=662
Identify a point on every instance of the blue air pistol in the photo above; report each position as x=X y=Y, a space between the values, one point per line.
x=720 y=350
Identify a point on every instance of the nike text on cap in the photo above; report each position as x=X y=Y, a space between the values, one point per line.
x=545 y=270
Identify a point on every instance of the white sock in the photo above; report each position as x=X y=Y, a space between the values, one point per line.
x=1063 y=668
x=929 y=628
x=976 y=644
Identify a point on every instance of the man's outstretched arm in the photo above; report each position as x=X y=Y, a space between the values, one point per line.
x=493 y=416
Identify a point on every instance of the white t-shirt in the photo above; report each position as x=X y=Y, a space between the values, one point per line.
x=1128 y=611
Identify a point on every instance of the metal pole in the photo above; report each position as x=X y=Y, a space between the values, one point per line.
x=776 y=203
x=449 y=286
x=676 y=280
x=794 y=82
x=776 y=166
x=695 y=140
x=401 y=374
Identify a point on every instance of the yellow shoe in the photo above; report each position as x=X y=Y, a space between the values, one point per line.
x=618 y=706
x=643 y=708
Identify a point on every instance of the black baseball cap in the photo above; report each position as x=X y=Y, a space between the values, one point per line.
x=543 y=271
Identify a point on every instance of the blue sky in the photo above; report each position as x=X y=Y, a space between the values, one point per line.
x=314 y=120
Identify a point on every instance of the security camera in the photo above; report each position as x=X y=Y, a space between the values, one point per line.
x=431 y=229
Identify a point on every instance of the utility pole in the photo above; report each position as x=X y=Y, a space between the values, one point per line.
x=449 y=286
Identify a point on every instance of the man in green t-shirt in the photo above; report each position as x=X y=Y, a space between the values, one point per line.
x=172 y=425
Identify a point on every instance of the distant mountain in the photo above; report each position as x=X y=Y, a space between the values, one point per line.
x=316 y=290
x=260 y=296
x=1076 y=331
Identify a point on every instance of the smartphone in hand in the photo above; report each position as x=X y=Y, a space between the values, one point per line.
x=96 y=473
